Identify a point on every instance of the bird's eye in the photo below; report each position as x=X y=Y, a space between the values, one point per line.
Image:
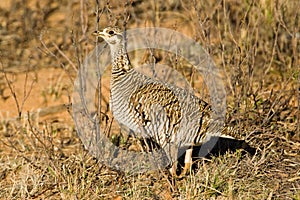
x=111 y=32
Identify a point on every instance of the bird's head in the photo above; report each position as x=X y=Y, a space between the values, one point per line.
x=112 y=35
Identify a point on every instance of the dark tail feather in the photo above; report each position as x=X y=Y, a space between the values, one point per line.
x=216 y=146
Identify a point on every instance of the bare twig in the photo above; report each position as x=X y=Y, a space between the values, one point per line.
x=12 y=91
x=47 y=50
x=97 y=66
x=65 y=56
x=273 y=50
x=25 y=93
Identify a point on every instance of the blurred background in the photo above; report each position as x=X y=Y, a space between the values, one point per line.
x=254 y=43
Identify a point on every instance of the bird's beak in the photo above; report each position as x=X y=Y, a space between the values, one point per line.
x=98 y=33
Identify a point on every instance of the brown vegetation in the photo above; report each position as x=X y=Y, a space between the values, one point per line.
x=42 y=44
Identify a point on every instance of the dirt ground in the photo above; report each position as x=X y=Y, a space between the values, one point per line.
x=256 y=44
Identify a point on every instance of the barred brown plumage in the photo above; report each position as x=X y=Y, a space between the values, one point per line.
x=152 y=108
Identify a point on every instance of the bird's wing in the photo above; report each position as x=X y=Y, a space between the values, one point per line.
x=155 y=105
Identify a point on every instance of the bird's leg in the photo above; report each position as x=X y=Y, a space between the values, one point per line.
x=173 y=169
x=188 y=161
x=173 y=156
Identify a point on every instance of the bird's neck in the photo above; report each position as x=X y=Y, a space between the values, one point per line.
x=120 y=60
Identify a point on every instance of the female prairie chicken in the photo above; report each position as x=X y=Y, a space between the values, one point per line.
x=171 y=116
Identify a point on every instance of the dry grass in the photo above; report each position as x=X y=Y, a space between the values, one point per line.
x=256 y=43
